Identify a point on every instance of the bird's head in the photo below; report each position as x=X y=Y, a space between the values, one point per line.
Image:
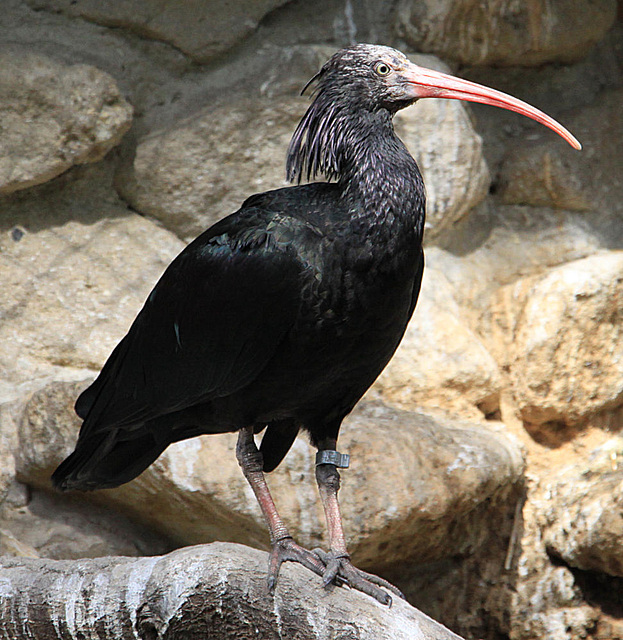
x=368 y=78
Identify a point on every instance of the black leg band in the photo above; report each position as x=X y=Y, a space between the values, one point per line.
x=328 y=456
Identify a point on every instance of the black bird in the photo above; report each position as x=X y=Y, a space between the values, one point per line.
x=281 y=315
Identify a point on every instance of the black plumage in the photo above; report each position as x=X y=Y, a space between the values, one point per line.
x=281 y=315
x=284 y=312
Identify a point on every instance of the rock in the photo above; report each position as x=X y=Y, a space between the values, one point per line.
x=560 y=336
x=53 y=116
x=219 y=592
x=441 y=362
x=582 y=508
x=8 y=445
x=546 y=599
x=507 y=32
x=77 y=267
x=202 y=168
x=202 y=29
x=410 y=508
x=545 y=176
x=11 y=546
x=55 y=526
x=544 y=173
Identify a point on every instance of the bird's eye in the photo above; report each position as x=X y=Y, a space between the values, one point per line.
x=382 y=68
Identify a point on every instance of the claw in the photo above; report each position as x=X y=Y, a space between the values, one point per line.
x=340 y=570
x=286 y=550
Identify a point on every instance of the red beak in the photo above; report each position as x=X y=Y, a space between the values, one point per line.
x=426 y=83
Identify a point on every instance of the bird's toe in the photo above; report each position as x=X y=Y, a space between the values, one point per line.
x=340 y=570
x=286 y=550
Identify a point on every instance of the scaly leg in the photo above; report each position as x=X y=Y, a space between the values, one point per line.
x=337 y=561
x=284 y=548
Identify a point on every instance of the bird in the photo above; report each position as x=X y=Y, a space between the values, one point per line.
x=279 y=317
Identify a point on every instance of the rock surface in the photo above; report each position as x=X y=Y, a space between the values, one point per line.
x=202 y=29
x=506 y=32
x=54 y=526
x=561 y=339
x=191 y=175
x=582 y=506
x=547 y=175
x=74 y=275
x=53 y=116
x=441 y=361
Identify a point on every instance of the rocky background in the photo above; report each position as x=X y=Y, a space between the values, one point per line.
x=487 y=461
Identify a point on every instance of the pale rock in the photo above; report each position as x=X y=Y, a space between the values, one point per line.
x=583 y=511
x=76 y=268
x=54 y=526
x=499 y=244
x=11 y=546
x=545 y=176
x=205 y=166
x=560 y=336
x=546 y=173
x=53 y=116
x=441 y=361
x=8 y=446
x=505 y=32
x=546 y=600
x=413 y=480
x=202 y=29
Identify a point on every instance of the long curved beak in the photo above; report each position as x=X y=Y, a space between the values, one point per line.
x=426 y=83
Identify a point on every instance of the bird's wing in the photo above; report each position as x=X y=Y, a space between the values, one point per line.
x=208 y=328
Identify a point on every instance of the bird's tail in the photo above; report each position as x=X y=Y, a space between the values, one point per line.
x=107 y=460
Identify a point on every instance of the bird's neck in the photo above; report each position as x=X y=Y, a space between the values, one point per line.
x=378 y=178
x=381 y=177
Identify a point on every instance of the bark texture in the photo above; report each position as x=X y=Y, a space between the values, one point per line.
x=210 y=591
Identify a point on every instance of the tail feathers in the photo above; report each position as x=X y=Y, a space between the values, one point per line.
x=104 y=461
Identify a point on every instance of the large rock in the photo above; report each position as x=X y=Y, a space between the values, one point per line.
x=441 y=361
x=412 y=481
x=583 y=511
x=41 y=524
x=505 y=32
x=497 y=244
x=560 y=336
x=202 y=29
x=76 y=267
x=202 y=168
x=53 y=116
x=548 y=174
x=566 y=506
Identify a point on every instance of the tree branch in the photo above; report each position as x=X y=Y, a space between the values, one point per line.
x=210 y=591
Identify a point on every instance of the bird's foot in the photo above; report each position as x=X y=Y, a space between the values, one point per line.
x=286 y=550
x=340 y=570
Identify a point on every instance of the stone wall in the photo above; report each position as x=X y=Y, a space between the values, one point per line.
x=487 y=459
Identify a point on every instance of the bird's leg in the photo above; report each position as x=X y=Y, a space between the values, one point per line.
x=283 y=546
x=337 y=561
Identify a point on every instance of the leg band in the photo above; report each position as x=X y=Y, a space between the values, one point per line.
x=328 y=456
